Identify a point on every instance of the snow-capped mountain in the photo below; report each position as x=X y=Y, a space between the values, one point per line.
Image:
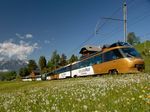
x=9 y=65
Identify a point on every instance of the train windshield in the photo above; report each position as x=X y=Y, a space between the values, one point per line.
x=131 y=52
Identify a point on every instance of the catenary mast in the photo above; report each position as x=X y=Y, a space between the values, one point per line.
x=125 y=20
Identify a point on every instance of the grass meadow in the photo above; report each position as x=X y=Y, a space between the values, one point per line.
x=118 y=93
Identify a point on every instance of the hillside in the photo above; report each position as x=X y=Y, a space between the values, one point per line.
x=12 y=65
x=145 y=47
x=118 y=93
x=142 y=46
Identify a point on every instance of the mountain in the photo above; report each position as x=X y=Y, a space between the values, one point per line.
x=12 y=65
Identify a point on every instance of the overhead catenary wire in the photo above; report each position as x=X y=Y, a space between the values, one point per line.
x=79 y=46
x=131 y=25
x=99 y=27
x=138 y=19
x=109 y=18
x=96 y=30
x=125 y=19
x=106 y=20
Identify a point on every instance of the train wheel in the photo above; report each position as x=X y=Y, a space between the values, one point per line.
x=113 y=72
x=75 y=76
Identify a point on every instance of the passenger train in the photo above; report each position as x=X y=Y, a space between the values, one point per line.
x=118 y=58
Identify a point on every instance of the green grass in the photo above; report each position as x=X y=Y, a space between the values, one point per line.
x=118 y=93
x=141 y=47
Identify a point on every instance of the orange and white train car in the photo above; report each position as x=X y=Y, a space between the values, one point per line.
x=118 y=58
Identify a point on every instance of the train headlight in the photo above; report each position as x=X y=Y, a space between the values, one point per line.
x=140 y=67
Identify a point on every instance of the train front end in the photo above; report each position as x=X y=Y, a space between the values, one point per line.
x=134 y=60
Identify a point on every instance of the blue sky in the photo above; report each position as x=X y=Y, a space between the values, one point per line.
x=42 y=26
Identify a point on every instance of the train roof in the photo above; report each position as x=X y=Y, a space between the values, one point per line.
x=107 y=47
x=120 y=44
x=75 y=62
x=99 y=49
x=90 y=48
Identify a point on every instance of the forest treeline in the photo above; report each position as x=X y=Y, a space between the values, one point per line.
x=44 y=66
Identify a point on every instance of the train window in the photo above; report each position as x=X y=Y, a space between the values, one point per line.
x=91 y=61
x=117 y=54
x=131 y=52
x=67 y=68
x=56 y=71
x=94 y=60
x=60 y=70
x=88 y=62
x=84 y=63
x=112 y=55
x=75 y=66
x=97 y=59
x=80 y=65
x=107 y=56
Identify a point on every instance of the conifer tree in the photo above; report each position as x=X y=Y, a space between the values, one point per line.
x=42 y=63
x=73 y=59
x=63 y=60
x=32 y=65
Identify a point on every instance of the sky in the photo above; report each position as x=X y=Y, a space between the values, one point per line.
x=33 y=28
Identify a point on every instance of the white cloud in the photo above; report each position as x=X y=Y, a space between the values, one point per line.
x=19 y=36
x=10 y=50
x=26 y=36
x=46 y=41
x=29 y=36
